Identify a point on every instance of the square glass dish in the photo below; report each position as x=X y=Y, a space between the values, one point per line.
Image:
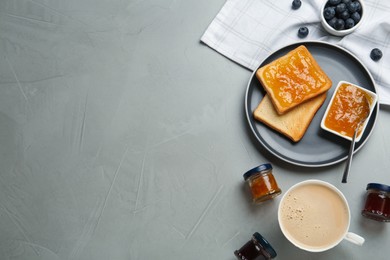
x=350 y=106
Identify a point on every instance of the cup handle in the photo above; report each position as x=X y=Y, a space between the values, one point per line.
x=354 y=238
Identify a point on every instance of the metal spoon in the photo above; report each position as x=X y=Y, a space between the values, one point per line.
x=352 y=147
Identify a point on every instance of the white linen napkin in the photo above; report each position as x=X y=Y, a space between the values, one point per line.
x=247 y=31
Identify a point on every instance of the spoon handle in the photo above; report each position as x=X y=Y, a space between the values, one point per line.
x=350 y=155
x=352 y=147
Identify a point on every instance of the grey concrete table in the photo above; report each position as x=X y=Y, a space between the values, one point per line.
x=123 y=137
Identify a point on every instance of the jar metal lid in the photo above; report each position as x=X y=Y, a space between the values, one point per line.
x=260 y=168
x=265 y=244
x=378 y=186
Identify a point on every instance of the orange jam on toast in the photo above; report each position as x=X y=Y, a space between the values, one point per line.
x=294 y=78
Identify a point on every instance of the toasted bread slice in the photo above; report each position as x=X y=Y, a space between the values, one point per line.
x=292 y=124
x=292 y=79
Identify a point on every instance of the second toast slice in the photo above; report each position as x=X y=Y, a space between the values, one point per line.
x=294 y=123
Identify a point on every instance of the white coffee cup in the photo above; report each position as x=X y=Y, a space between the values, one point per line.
x=314 y=216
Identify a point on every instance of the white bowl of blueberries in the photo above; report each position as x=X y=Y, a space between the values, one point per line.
x=341 y=17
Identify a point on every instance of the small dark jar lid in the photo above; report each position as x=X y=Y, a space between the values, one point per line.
x=261 y=168
x=255 y=248
x=378 y=186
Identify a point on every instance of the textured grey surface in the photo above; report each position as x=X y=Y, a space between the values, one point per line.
x=123 y=137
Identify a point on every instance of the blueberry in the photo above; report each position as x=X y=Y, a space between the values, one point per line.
x=303 y=32
x=340 y=24
x=344 y=15
x=356 y=17
x=334 y=2
x=349 y=23
x=376 y=54
x=329 y=13
x=352 y=7
x=358 y=6
x=341 y=8
x=332 y=22
x=346 y=1
x=296 y=4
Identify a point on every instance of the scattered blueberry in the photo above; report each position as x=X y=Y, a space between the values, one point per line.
x=376 y=54
x=329 y=12
x=340 y=24
x=349 y=23
x=303 y=32
x=296 y=4
x=356 y=17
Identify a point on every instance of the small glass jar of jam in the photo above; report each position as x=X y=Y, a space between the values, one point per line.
x=262 y=183
x=377 y=204
x=255 y=249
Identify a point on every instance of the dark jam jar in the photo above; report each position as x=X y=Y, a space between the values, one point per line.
x=255 y=249
x=262 y=183
x=377 y=204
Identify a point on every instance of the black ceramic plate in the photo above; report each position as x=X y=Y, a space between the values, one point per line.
x=318 y=147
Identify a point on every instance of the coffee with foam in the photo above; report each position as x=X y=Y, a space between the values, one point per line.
x=314 y=216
